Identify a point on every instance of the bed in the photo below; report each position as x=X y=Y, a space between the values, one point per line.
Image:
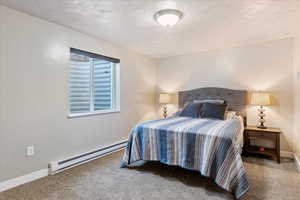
x=210 y=146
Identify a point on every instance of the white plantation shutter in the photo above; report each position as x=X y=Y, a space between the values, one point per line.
x=102 y=85
x=92 y=82
x=80 y=86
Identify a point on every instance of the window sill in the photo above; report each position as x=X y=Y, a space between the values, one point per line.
x=77 y=115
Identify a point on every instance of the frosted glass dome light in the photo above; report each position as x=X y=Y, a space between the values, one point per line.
x=168 y=17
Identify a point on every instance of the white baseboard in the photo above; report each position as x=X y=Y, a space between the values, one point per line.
x=287 y=154
x=6 y=185
x=297 y=162
x=9 y=184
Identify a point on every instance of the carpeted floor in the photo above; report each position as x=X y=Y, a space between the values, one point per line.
x=102 y=179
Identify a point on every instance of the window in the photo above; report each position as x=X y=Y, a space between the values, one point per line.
x=93 y=83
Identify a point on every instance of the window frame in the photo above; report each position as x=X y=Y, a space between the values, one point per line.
x=115 y=86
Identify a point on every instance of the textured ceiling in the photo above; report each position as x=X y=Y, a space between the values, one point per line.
x=206 y=25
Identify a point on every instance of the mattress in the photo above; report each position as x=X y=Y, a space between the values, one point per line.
x=211 y=147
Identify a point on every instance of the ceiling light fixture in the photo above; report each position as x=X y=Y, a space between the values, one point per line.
x=168 y=17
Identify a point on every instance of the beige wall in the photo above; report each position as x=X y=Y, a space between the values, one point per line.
x=34 y=94
x=266 y=66
x=296 y=135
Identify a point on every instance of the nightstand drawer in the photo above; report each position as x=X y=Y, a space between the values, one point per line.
x=255 y=133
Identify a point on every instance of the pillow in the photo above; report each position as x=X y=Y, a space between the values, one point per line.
x=176 y=114
x=216 y=101
x=191 y=110
x=239 y=140
x=214 y=111
x=230 y=114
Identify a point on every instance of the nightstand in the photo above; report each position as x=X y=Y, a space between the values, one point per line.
x=252 y=132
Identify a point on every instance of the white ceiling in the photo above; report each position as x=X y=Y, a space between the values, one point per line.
x=206 y=25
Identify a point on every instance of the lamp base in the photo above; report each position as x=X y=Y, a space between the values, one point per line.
x=165 y=111
x=262 y=127
x=261 y=119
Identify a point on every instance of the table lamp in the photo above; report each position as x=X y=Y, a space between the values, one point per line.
x=164 y=99
x=260 y=99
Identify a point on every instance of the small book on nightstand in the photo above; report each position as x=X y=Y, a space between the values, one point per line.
x=253 y=132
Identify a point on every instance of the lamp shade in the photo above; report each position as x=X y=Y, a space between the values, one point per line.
x=260 y=99
x=164 y=98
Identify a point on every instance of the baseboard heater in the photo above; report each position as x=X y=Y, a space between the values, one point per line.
x=59 y=166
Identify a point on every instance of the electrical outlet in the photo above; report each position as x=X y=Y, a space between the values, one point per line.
x=30 y=151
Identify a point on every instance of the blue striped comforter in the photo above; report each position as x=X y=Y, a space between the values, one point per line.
x=204 y=145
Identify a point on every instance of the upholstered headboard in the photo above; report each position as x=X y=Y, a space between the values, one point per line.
x=236 y=99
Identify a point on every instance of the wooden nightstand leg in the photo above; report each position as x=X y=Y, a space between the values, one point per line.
x=278 y=147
